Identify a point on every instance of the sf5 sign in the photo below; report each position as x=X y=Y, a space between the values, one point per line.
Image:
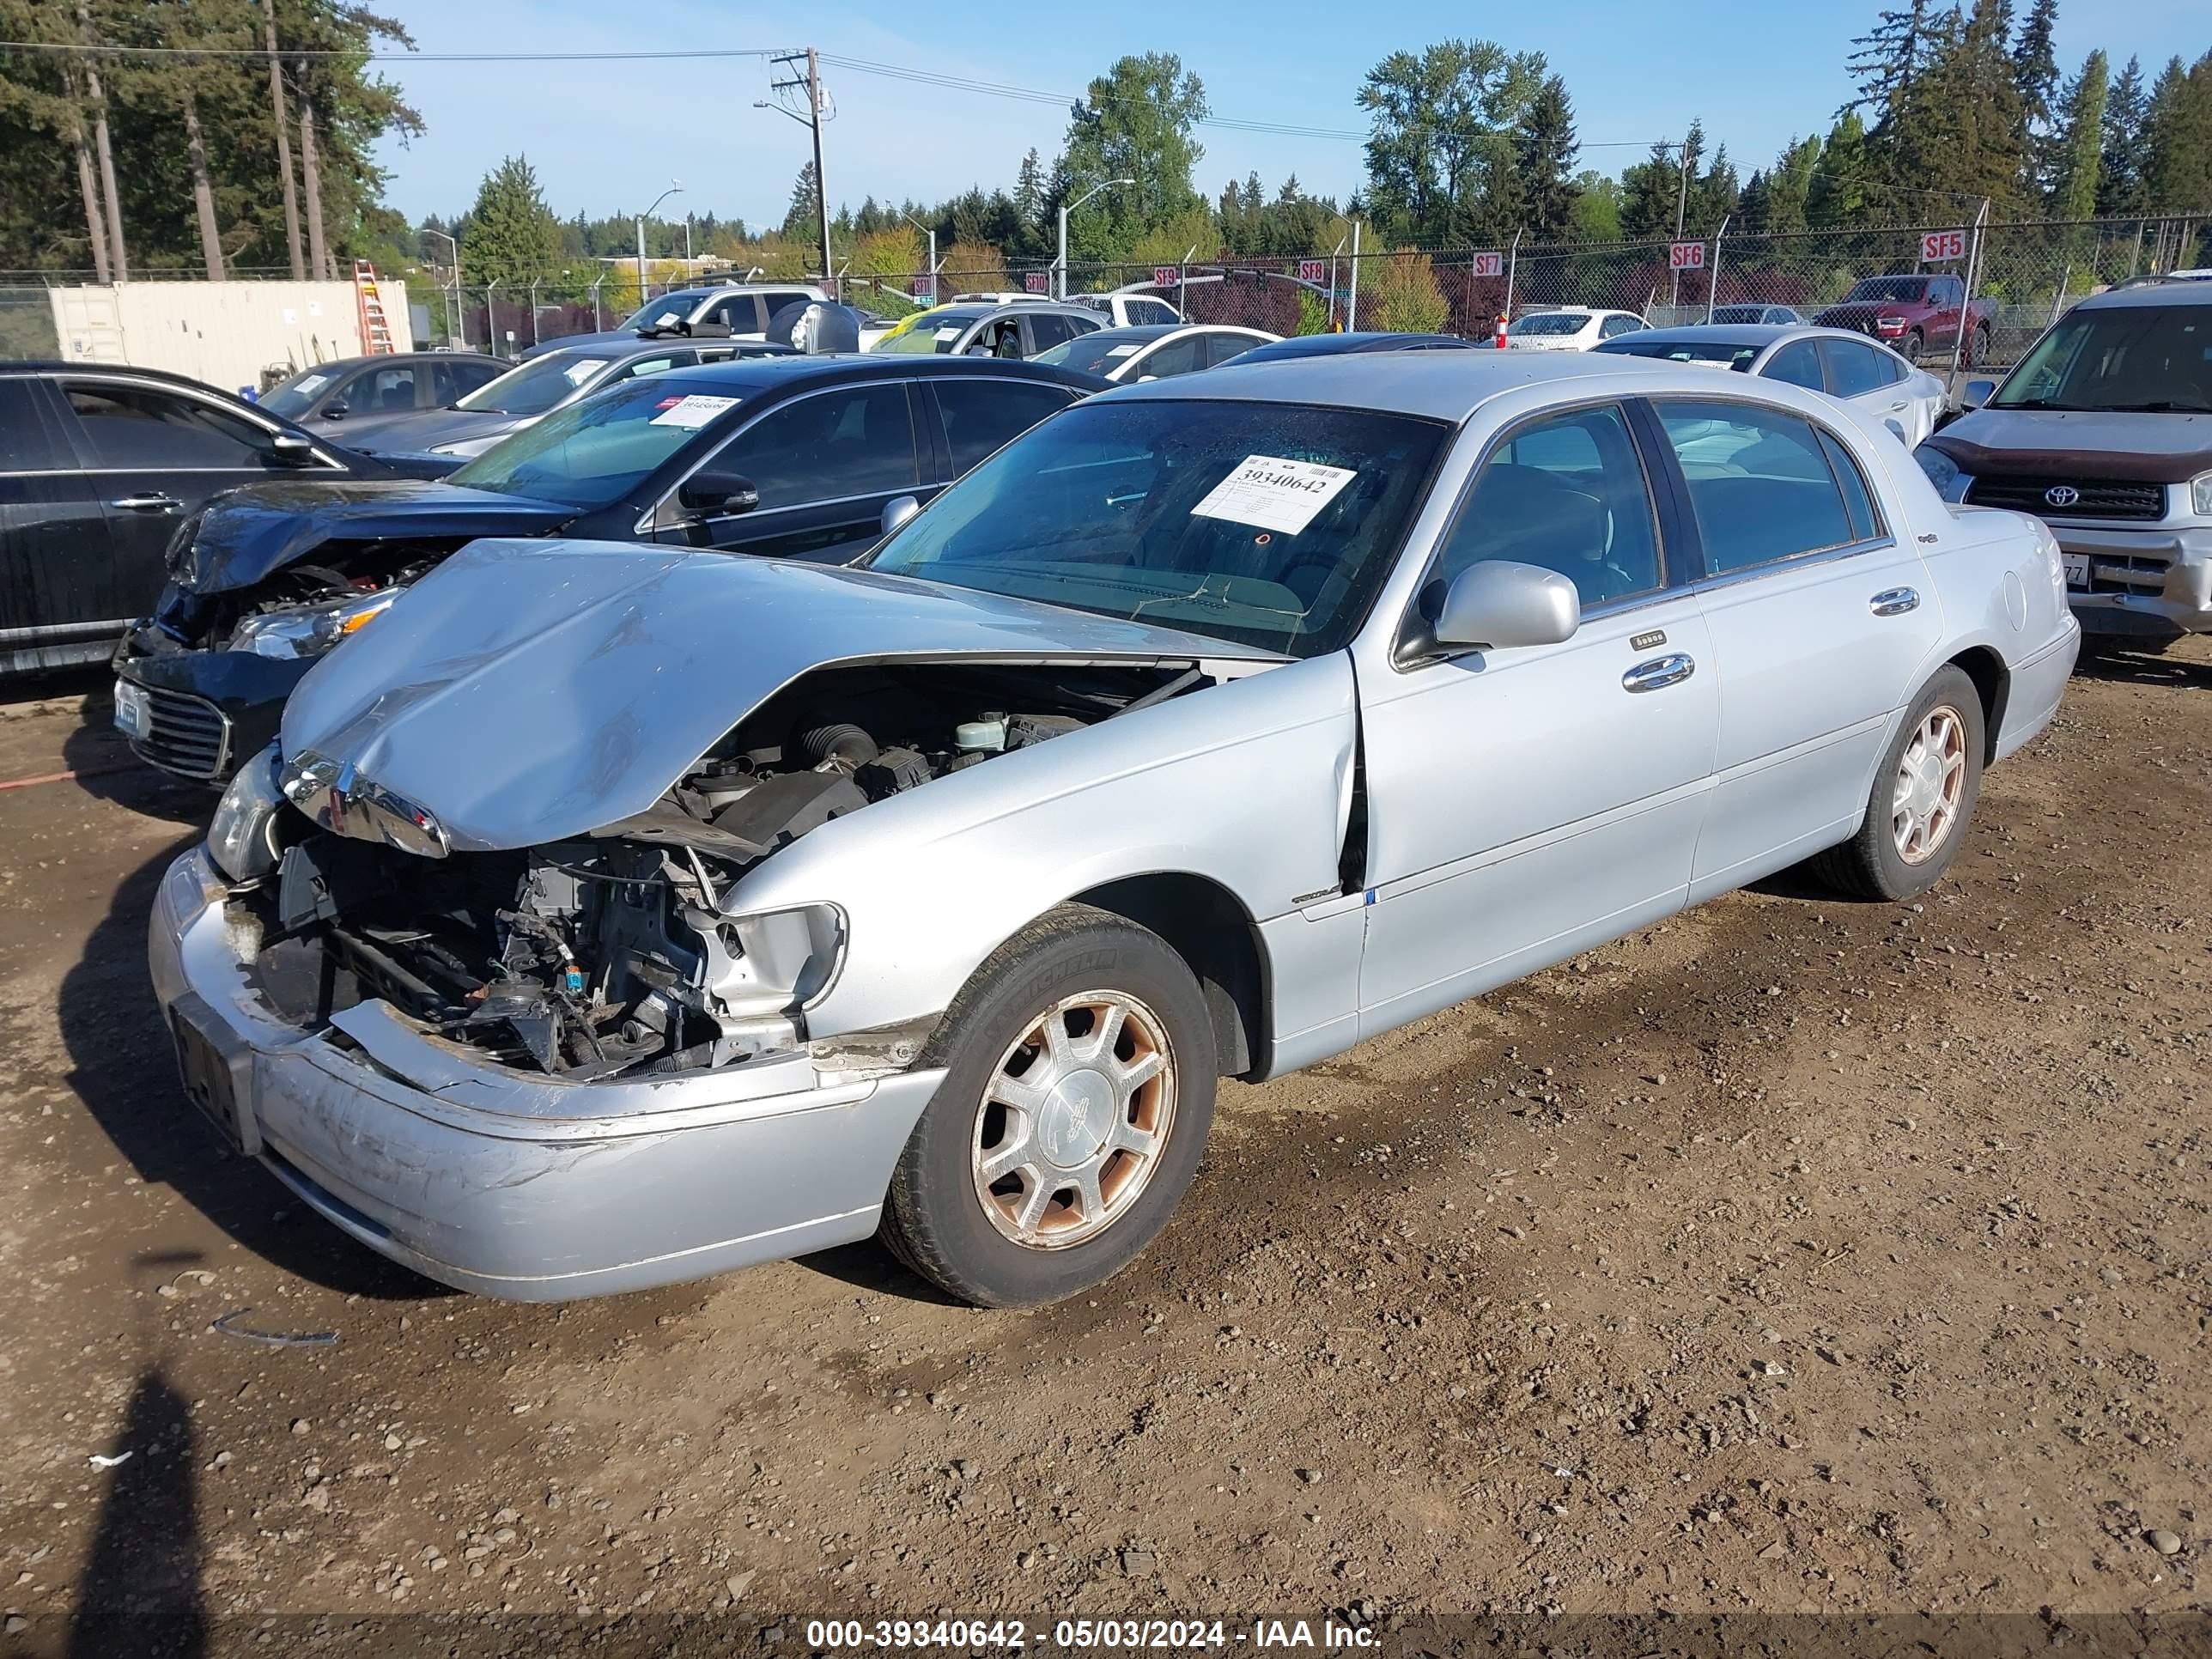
x=1937 y=246
x=1686 y=255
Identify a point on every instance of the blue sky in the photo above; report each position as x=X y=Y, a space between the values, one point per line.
x=606 y=137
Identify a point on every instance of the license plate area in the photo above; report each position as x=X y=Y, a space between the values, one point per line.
x=133 y=718
x=216 y=1068
x=2077 y=566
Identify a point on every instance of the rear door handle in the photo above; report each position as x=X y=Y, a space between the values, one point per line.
x=1659 y=671
x=1895 y=601
x=153 y=503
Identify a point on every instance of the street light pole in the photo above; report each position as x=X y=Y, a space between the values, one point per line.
x=1066 y=208
x=929 y=231
x=675 y=188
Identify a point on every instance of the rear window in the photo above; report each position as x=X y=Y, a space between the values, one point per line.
x=1719 y=353
x=1550 y=322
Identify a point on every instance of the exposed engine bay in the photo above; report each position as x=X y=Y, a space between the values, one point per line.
x=610 y=954
x=303 y=608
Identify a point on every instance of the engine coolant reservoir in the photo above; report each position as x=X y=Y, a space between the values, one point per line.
x=979 y=737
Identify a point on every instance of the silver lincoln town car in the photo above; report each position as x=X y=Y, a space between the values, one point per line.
x=614 y=914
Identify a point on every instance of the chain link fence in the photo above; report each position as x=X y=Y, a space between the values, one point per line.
x=2022 y=276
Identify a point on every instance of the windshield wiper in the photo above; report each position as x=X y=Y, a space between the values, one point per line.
x=2159 y=406
x=2046 y=403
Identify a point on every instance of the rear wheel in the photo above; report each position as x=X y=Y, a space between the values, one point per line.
x=1909 y=347
x=1078 y=1090
x=1923 y=794
x=1981 y=348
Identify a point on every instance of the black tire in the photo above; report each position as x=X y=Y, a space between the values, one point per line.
x=1870 y=866
x=934 y=1218
x=1980 y=353
x=1909 y=347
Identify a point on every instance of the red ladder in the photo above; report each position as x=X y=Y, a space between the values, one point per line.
x=376 y=328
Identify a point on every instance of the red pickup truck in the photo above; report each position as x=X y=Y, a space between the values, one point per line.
x=1914 y=315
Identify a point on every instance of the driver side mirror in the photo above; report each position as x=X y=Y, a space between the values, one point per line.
x=1975 y=393
x=708 y=490
x=897 y=511
x=290 y=449
x=1495 y=605
x=335 y=410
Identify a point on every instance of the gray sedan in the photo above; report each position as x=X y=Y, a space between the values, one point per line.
x=623 y=914
x=1871 y=378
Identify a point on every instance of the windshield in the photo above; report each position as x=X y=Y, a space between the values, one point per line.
x=1269 y=523
x=665 y=312
x=1098 y=352
x=2148 y=358
x=295 y=397
x=596 y=451
x=542 y=384
x=1552 y=322
x=1718 y=353
x=932 y=332
x=1904 y=290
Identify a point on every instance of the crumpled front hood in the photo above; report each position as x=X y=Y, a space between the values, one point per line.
x=2149 y=447
x=524 y=692
x=247 y=533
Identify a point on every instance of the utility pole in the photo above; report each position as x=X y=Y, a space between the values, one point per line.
x=811 y=81
x=284 y=140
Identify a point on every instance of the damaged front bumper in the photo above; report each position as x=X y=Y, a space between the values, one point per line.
x=2154 y=582
x=200 y=715
x=525 y=1188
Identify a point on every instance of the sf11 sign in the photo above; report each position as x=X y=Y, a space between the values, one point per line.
x=1491 y=264
x=1686 y=255
x=1938 y=246
x=1165 y=275
x=1036 y=282
x=1313 y=270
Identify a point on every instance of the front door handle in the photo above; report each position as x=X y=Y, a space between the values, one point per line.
x=152 y=503
x=1658 y=672
x=1894 y=601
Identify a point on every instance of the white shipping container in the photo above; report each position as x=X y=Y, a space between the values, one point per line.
x=224 y=333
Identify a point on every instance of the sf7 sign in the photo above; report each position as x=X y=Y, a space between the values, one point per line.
x=1490 y=264
x=1686 y=255
x=1938 y=246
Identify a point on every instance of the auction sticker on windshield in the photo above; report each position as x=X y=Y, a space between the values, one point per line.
x=1270 y=493
x=695 y=410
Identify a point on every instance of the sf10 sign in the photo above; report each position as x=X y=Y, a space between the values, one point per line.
x=1937 y=246
x=1686 y=255
x=1313 y=270
x=1165 y=275
x=1036 y=282
x=1491 y=264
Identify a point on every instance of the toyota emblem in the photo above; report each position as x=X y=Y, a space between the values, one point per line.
x=2061 y=494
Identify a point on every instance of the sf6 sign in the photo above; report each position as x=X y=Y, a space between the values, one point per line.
x=1490 y=264
x=1937 y=246
x=1686 y=255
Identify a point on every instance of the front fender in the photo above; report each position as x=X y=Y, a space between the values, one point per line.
x=1241 y=783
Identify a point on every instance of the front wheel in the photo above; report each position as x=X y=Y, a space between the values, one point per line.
x=1923 y=794
x=1078 y=1093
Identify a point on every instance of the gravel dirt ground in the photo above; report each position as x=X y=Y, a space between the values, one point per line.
x=1796 y=1256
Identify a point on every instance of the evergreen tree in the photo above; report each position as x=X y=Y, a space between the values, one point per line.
x=1836 y=194
x=1544 y=147
x=2178 y=139
x=800 y=223
x=2119 y=183
x=2035 y=66
x=511 y=235
x=1028 y=201
x=2079 y=139
x=1136 y=122
x=1889 y=59
x=1788 y=187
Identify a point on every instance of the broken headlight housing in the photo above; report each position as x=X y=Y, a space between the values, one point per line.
x=778 y=960
x=242 y=838
x=309 y=630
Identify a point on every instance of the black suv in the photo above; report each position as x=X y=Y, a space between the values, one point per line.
x=98 y=467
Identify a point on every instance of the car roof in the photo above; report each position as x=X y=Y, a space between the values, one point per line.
x=757 y=376
x=626 y=346
x=1136 y=333
x=2187 y=291
x=1746 y=334
x=1443 y=385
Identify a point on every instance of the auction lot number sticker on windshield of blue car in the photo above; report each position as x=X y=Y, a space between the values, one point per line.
x=695 y=410
x=1270 y=493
